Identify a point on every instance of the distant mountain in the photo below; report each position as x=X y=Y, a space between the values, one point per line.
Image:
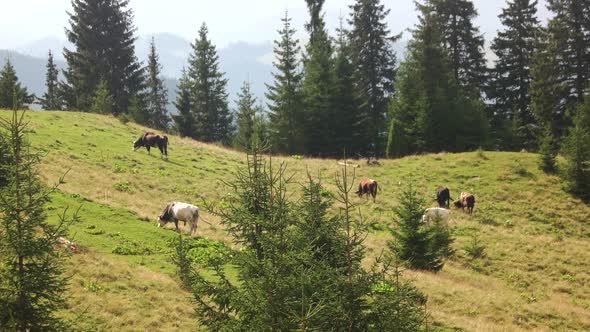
x=240 y=61
x=29 y=69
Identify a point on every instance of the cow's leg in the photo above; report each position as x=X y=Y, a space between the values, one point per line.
x=176 y=224
x=148 y=148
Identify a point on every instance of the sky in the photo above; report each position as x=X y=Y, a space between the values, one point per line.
x=253 y=21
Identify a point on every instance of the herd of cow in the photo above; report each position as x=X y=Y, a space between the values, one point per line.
x=178 y=211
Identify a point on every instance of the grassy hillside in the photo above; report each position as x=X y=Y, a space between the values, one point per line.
x=534 y=275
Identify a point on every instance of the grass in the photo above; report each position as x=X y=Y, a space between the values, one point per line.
x=533 y=276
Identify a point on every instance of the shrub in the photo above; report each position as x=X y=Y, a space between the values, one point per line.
x=132 y=248
x=474 y=248
x=123 y=186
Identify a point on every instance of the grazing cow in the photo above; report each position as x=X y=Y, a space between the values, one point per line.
x=434 y=214
x=367 y=186
x=176 y=211
x=466 y=200
x=67 y=244
x=443 y=196
x=149 y=140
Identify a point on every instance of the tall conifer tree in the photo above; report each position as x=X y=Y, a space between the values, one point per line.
x=285 y=100
x=374 y=61
x=12 y=94
x=347 y=118
x=463 y=42
x=208 y=89
x=51 y=99
x=511 y=75
x=156 y=96
x=318 y=86
x=103 y=36
x=570 y=30
x=184 y=121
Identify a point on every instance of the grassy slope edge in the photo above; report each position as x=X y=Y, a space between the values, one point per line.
x=533 y=277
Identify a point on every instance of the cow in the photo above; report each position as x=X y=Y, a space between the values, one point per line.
x=466 y=200
x=367 y=186
x=443 y=197
x=67 y=244
x=149 y=140
x=436 y=214
x=176 y=211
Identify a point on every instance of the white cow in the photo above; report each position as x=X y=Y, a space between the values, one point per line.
x=176 y=211
x=431 y=215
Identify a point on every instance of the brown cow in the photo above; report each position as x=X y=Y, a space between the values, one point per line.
x=466 y=200
x=149 y=140
x=367 y=186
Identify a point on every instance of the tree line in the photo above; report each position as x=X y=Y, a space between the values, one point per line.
x=348 y=92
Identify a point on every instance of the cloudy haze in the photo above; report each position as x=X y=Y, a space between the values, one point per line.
x=252 y=21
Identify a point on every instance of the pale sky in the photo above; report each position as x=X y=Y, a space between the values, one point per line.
x=24 y=21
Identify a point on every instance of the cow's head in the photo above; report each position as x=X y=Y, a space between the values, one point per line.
x=137 y=144
x=161 y=222
x=458 y=204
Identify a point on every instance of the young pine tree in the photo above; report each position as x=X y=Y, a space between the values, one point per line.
x=51 y=99
x=12 y=94
x=246 y=114
x=94 y=25
x=208 y=91
x=31 y=267
x=156 y=96
x=576 y=149
x=374 y=61
x=419 y=245
x=102 y=102
x=184 y=121
x=299 y=266
x=285 y=100
x=548 y=152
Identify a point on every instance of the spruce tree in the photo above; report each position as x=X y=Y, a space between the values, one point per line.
x=511 y=76
x=208 y=90
x=576 y=150
x=51 y=99
x=103 y=36
x=419 y=245
x=31 y=265
x=462 y=41
x=285 y=100
x=430 y=112
x=570 y=29
x=184 y=121
x=299 y=266
x=548 y=95
x=347 y=119
x=374 y=61
x=246 y=118
x=318 y=86
x=12 y=94
x=156 y=96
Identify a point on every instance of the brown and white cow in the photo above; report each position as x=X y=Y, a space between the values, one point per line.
x=466 y=200
x=366 y=187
